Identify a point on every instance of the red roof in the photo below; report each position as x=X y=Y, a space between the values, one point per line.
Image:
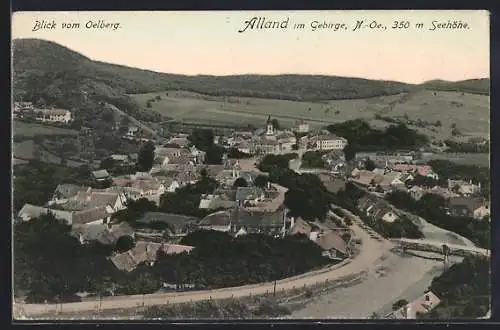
x=422 y=170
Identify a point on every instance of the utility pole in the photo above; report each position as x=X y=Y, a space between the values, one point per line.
x=274 y=292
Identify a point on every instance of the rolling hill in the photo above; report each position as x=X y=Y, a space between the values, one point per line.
x=47 y=70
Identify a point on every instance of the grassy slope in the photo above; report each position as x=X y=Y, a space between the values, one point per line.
x=41 y=66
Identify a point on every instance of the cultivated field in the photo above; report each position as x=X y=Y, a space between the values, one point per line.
x=470 y=112
x=24 y=150
x=22 y=129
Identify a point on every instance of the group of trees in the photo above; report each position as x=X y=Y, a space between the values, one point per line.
x=234 y=153
x=464 y=290
x=186 y=200
x=219 y=260
x=51 y=265
x=306 y=197
x=360 y=134
x=35 y=182
x=313 y=159
x=432 y=208
x=203 y=139
x=467 y=147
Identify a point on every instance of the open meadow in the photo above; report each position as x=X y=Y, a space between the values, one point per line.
x=469 y=112
x=26 y=130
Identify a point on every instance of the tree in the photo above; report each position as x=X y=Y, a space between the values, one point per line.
x=349 y=152
x=203 y=139
x=240 y=182
x=370 y=164
x=275 y=123
x=203 y=173
x=398 y=304
x=146 y=157
x=124 y=244
x=438 y=123
x=107 y=163
x=261 y=181
x=214 y=155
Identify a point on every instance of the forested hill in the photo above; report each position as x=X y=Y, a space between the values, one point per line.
x=473 y=86
x=47 y=70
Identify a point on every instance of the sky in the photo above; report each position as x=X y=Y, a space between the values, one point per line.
x=209 y=42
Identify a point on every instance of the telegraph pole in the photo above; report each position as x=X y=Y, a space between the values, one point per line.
x=274 y=291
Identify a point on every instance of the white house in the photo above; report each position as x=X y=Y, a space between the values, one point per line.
x=53 y=115
x=482 y=211
x=328 y=142
x=132 y=131
x=389 y=217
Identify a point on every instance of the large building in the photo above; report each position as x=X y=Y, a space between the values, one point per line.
x=53 y=115
x=327 y=142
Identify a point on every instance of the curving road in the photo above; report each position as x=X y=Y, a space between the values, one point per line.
x=371 y=251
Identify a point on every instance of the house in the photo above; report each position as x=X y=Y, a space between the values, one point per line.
x=464 y=206
x=176 y=225
x=198 y=156
x=165 y=156
x=333 y=245
x=249 y=195
x=29 y=212
x=381 y=210
x=148 y=187
x=104 y=234
x=65 y=191
x=101 y=175
x=121 y=159
x=112 y=201
x=302 y=127
x=444 y=192
x=244 y=147
x=300 y=226
x=145 y=252
x=391 y=180
x=234 y=220
x=377 y=209
x=96 y=215
x=132 y=131
x=220 y=221
x=328 y=142
x=182 y=142
x=266 y=145
x=216 y=201
x=464 y=188
x=422 y=170
x=169 y=183
x=416 y=192
x=422 y=305
x=482 y=211
x=271 y=223
x=53 y=115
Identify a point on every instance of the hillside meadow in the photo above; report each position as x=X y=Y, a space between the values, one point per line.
x=469 y=112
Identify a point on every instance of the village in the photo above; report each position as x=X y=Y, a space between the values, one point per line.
x=244 y=200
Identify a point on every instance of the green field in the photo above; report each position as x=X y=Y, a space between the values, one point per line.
x=469 y=112
x=22 y=129
x=24 y=150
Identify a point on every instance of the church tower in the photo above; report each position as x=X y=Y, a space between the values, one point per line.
x=270 y=126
